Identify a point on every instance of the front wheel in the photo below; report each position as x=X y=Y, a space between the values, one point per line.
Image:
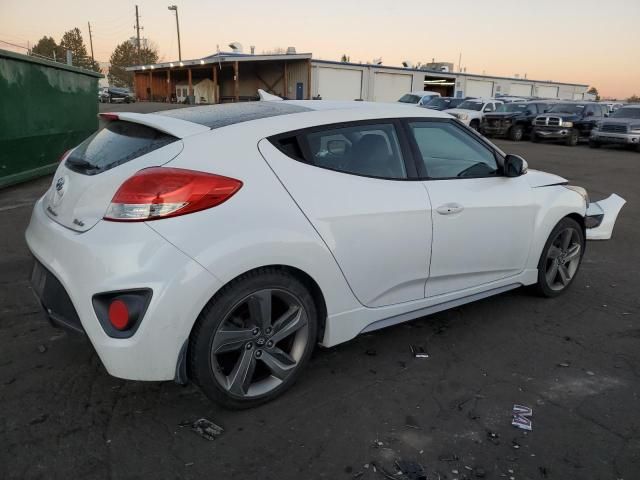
x=560 y=258
x=572 y=138
x=516 y=133
x=535 y=138
x=475 y=125
x=253 y=339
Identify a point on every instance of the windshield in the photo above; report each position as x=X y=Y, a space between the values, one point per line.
x=471 y=105
x=512 y=107
x=567 y=108
x=438 y=102
x=409 y=98
x=632 y=112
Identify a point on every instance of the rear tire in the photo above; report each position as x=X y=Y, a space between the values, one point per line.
x=572 y=139
x=560 y=258
x=237 y=355
x=516 y=133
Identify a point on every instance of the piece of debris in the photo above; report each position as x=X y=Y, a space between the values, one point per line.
x=521 y=417
x=377 y=443
x=39 y=419
x=515 y=444
x=455 y=472
x=411 y=470
x=10 y=381
x=563 y=364
x=42 y=348
x=626 y=313
x=467 y=467
x=205 y=428
x=493 y=437
x=448 y=457
x=418 y=351
x=358 y=474
x=371 y=352
x=189 y=464
x=589 y=372
x=411 y=422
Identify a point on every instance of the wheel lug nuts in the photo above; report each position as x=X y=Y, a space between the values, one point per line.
x=270 y=344
x=258 y=353
x=268 y=330
x=249 y=346
x=255 y=331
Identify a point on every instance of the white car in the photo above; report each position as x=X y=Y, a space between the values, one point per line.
x=471 y=112
x=419 y=98
x=220 y=244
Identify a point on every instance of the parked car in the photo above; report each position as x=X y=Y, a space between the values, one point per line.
x=103 y=94
x=443 y=103
x=568 y=122
x=512 y=120
x=612 y=106
x=418 y=98
x=317 y=221
x=621 y=128
x=471 y=112
x=119 y=95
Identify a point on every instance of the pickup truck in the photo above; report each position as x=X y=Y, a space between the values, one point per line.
x=622 y=128
x=568 y=122
x=512 y=120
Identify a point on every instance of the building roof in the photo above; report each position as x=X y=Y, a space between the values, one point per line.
x=222 y=57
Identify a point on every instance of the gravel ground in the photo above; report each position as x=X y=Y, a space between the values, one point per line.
x=367 y=403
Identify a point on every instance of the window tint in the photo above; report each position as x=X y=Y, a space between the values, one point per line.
x=371 y=150
x=449 y=152
x=117 y=143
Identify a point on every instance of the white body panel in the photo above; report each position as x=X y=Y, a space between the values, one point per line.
x=363 y=241
x=388 y=87
x=520 y=89
x=547 y=92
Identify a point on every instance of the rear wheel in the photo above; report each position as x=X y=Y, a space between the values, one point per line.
x=516 y=133
x=572 y=138
x=560 y=258
x=253 y=339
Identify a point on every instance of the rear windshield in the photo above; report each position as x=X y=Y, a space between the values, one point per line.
x=409 y=98
x=119 y=142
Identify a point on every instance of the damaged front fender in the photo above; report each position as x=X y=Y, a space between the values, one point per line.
x=601 y=217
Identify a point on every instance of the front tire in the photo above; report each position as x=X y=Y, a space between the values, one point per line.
x=475 y=124
x=561 y=258
x=253 y=339
x=535 y=138
x=572 y=138
x=516 y=133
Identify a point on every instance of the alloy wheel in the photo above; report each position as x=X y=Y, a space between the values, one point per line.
x=563 y=258
x=259 y=343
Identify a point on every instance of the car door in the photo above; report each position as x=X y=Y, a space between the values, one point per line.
x=352 y=182
x=482 y=220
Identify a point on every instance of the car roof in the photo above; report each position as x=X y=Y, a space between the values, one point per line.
x=221 y=115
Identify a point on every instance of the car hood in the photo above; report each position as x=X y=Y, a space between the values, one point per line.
x=568 y=117
x=460 y=110
x=536 y=178
x=501 y=115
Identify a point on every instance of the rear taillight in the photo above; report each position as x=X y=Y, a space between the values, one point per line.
x=159 y=192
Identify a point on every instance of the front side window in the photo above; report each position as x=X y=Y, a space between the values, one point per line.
x=449 y=152
x=372 y=150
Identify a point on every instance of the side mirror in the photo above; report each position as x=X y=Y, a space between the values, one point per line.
x=337 y=147
x=515 y=165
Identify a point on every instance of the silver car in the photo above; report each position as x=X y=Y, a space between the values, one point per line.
x=621 y=128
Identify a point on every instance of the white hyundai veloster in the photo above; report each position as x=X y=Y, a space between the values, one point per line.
x=220 y=244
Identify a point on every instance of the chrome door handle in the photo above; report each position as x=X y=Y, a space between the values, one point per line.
x=449 y=209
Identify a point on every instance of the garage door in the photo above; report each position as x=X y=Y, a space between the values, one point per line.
x=520 y=90
x=547 y=92
x=339 y=83
x=389 y=87
x=479 y=88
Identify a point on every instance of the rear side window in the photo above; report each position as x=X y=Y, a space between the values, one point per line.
x=119 y=142
x=371 y=150
x=449 y=152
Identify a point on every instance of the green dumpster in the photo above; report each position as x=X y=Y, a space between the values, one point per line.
x=45 y=109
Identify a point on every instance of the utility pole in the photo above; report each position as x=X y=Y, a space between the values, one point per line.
x=459 y=62
x=175 y=9
x=138 y=35
x=91 y=41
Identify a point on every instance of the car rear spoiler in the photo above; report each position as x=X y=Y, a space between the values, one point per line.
x=173 y=126
x=601 y=217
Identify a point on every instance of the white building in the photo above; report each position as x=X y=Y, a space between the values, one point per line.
x=378 y=83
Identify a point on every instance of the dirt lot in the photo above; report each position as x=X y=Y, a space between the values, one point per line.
x=365 y=403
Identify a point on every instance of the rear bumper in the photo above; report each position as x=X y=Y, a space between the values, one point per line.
x=615 y=138
x=602 y=215
x=115 y=256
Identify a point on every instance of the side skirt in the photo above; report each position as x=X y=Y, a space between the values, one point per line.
x=404 y=317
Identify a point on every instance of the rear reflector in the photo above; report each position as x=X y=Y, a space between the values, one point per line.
x=119 y=315
x=158 y=192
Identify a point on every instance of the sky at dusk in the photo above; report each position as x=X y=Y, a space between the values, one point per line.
x=587 y=41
